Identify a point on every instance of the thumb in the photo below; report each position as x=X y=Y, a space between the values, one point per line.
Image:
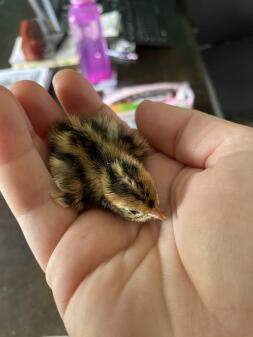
x=190 y=136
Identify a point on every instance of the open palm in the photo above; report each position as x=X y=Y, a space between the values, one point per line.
x=192 y=275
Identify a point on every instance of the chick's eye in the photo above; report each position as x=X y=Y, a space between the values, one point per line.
x=133 y=211
x=151 y=203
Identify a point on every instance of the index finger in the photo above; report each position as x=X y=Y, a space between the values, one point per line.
x=77 y=95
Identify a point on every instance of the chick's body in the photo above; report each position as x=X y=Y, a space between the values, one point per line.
x=97 y=162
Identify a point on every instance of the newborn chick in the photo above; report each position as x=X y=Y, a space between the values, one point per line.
x=97 y=162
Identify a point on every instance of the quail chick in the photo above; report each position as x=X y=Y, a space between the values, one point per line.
x=97 y=162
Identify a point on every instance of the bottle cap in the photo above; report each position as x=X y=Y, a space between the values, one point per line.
x=79 y=2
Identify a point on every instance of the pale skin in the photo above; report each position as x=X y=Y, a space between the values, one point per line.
x=191 y=275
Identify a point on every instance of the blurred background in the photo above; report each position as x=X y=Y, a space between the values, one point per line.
x=190 y=53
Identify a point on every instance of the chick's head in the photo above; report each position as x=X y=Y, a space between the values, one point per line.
x=130 y=191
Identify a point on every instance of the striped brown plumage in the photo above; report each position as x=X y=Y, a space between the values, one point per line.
x=97 y=161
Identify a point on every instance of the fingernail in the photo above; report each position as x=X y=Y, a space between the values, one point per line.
x=54 y=81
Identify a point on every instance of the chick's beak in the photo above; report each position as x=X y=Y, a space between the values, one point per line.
x=158 y=213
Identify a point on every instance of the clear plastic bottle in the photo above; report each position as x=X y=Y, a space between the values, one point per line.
x=85 y=26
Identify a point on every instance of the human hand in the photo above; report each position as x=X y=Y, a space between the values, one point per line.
x=189 y=276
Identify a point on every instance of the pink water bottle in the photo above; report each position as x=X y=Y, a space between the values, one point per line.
x=91 y=45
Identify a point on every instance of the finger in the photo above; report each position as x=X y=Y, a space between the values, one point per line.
x=39 y=106
x=26 y=184
x=77 y=96
x=191 y=137
x=38 y=143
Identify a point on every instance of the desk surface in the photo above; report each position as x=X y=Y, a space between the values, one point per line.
x=26 y=305
x=182 y=62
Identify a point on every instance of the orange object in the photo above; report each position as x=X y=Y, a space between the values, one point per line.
x=32 y=40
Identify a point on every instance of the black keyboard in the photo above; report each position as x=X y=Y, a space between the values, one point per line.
x=145 y=22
